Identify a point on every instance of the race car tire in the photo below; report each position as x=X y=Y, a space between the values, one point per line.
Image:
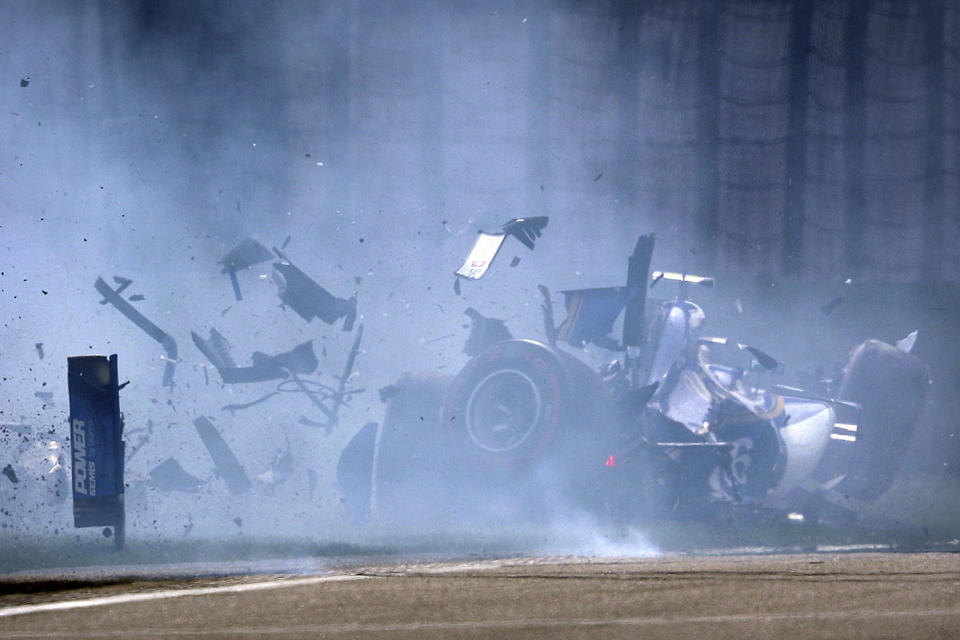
x=520 y=401
x=891 y=386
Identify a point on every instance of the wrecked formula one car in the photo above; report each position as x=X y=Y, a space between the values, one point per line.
x=669 y=428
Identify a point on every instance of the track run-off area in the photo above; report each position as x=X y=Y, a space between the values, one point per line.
x=847 y=595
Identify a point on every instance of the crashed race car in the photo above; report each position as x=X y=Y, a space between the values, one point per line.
x=667 y=429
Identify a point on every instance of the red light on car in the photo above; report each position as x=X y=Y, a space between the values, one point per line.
x=611 y=461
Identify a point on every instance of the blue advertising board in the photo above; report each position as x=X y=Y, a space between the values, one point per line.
x=96 y=442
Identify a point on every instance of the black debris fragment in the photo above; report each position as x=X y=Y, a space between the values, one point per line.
x=766 y=361
x=170 y=476
x=484 y=332
x=136 y=297
x=112 y=296
x=831 y=305
x=224 y=460
x=39 y=347
x=388 y=392
x=526 y=230
x=246 y=254
x=11 y=474
x=25 y=82
x=286 y=241
x=456 y=286
x=308 y=299
x=515 y=261
x=599 y=175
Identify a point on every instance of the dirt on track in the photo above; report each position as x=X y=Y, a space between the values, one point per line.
x=842 y=596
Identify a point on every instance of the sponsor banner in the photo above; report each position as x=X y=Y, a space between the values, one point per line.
x=96 y=440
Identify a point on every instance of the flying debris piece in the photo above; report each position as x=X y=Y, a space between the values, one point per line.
x=638 y=270
x=39 y=347
x=484 y=332
x=166 y=341
x=286 y=241
x=136 y=298
x=308 y=299
x=456 y=286
x=300 y=359
x=96 y=442
x=170 y=476
x=487 y=245
x=280 y=468
x=11 y=474
x=341 y=391
x=829 y=307
x=216 y=349
x=906 y=343
x=526 y=230
x=388 y=392
x=226 y=463
x=25 y=82
x=515 y=261
x=123 y=284
x=246 y=254
x=591 y=314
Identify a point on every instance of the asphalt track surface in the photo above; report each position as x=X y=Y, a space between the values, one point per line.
x=859 y=595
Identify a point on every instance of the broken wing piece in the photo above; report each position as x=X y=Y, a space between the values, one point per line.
x=246 y=254
x=526 y=230
x=166 y=341
x=309 y=300
x=224 y=460
x=484 y=251
x=487 y=245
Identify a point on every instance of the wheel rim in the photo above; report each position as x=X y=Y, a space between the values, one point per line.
x=503 y=411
